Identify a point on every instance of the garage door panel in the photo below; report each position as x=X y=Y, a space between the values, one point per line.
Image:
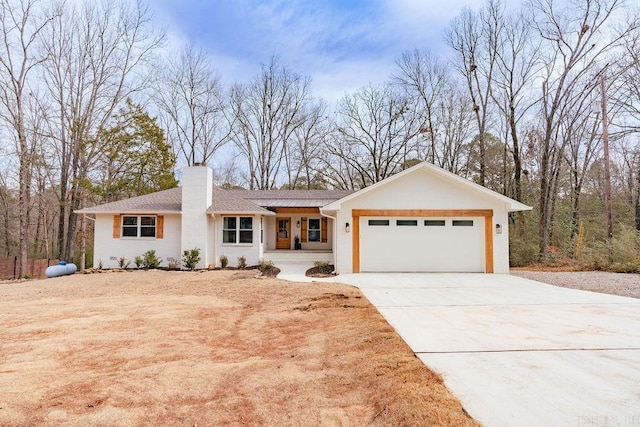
x=425 y=246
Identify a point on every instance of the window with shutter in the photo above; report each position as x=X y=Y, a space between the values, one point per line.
x=133 y=226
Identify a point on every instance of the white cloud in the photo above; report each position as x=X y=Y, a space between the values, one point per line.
x=341 y=48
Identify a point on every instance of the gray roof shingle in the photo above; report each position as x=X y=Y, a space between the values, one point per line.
x=291 y=198
x=224 y=201
x=160 y=201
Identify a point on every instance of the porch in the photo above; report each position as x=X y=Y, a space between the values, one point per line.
x=302 y=256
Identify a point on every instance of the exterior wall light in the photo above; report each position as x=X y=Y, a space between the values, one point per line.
x=498 y=229
x=298 y=224
x=347 y=228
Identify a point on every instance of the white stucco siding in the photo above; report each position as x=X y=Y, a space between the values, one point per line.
x=209 y=258
x=421 y=190
x=251 y=251
x=501 y=242
x=424 y=191
x=343 y=247
x=109 y=249
x=196 y=199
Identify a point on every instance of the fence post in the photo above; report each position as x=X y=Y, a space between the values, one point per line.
x=15 y=262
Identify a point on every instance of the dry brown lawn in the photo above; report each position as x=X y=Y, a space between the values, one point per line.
x=210 y=348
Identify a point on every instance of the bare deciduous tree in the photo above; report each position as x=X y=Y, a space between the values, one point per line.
x=20 y=27
x=581 y=129
x=475 y=37
x=93 y=51
x=445 y=132
x=302 y=155
x=191 y=99
x=267 y=112
x=578 y=38
x=376 y=132
x=516 y=66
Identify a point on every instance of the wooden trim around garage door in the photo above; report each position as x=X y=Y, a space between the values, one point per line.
x=440 y=213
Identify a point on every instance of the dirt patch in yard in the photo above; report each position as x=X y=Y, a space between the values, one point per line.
x=207 y=348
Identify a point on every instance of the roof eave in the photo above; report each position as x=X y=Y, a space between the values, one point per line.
x=265 y=213
x=127 y=211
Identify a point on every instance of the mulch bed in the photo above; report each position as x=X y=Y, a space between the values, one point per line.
x=316 y=272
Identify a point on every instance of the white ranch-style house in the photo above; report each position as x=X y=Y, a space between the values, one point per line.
x=423 y=219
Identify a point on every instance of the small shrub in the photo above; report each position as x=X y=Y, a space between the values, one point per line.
x=323 y=267
x=191 y=258
x=620 y=254
x=522 y=251
x=122 y=262
x=265 y=266
x=224 y=261
x=100 y=265
x=150 y=260
x=138 y=261
x=242 y=262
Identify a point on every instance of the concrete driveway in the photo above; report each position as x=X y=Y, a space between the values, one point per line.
x=518 y=352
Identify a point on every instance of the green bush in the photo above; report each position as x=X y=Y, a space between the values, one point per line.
x=224 y=261
x=265 y=266
x=323 y=267
x=138 y=261
x=191 y=258
x=150 y=260
x=522 y=252
x=123 y=263
x=620 y=254
x=242 y=262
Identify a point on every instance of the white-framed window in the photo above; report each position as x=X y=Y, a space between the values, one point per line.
x=314 y=231
x=138 y=226
x=237 y=229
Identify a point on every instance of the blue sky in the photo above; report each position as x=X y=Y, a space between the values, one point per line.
x=342 y=45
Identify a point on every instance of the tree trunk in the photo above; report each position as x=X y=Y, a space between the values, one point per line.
x=517 y=170
x=637 y=204
x=544 y=205
x=23 y=208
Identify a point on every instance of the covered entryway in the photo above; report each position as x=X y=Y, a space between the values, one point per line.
x=423 y=241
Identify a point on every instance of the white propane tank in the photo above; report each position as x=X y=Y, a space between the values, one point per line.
x=61 y=269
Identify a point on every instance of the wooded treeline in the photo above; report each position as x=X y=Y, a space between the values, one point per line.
x=94 y=107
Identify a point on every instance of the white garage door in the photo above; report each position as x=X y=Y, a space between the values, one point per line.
x=422 y=244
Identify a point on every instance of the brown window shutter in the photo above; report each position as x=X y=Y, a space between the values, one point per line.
x=303 y=238
x=160 y=227
x=324 y=229
x=116 y=226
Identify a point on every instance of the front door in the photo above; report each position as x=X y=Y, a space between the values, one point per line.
x=283 y=239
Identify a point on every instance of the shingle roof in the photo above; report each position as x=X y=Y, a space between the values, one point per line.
x=158 y=202
x=224 y=201
x=291 y=198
